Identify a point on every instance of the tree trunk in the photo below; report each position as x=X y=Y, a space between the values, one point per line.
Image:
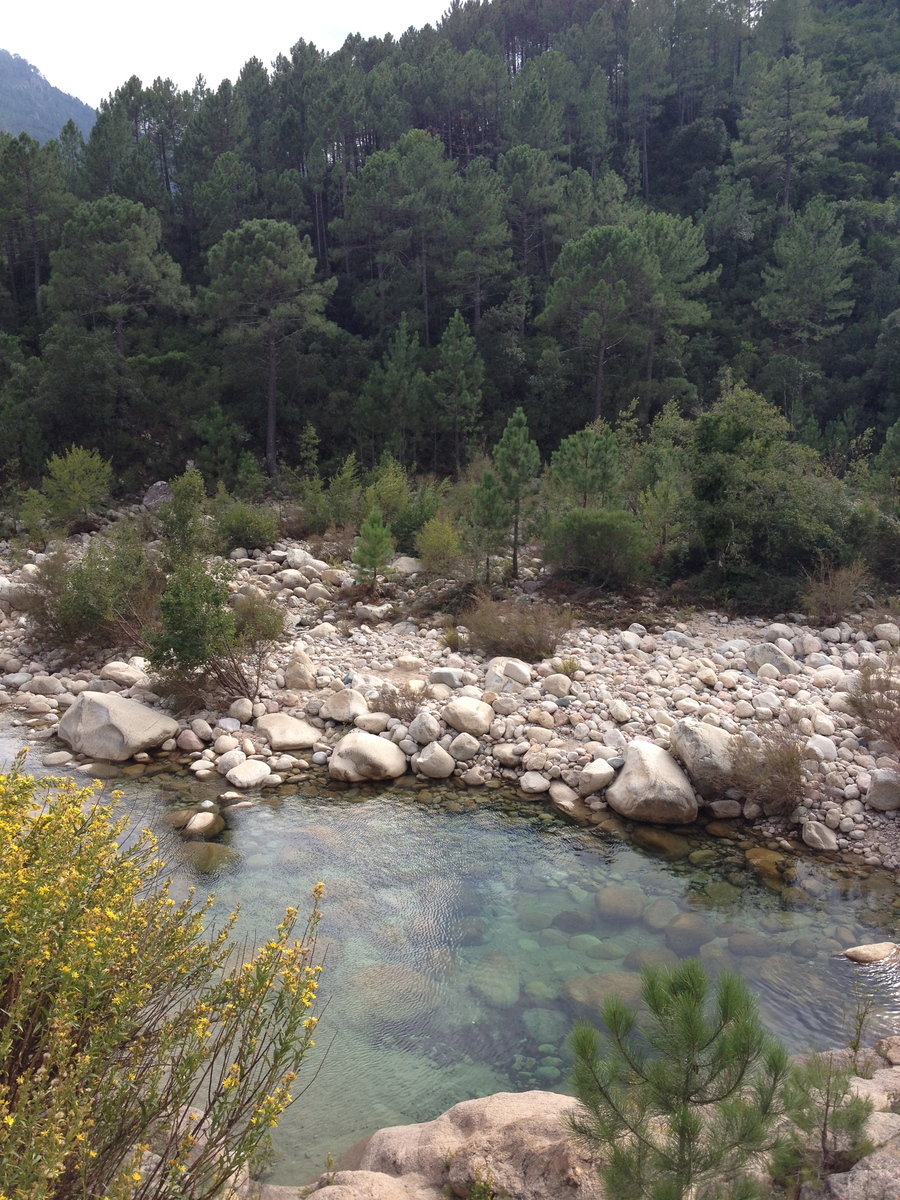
x=271 y=399
x=515 y=561
x=598 y=380
x=120 y=343
x=425 y=288
x=36 y=263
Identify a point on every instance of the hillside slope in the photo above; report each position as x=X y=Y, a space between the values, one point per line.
x=30 y=104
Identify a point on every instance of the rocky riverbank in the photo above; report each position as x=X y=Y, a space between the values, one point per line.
x=639 y=721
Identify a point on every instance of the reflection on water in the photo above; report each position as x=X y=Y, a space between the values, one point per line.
x=460 y=946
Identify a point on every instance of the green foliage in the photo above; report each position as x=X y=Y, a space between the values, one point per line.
x=601 y=546
x=219 y=451
x=517 y=462
x=389 y=489
x=681 y=1096
x=457 y=386
x=374 y=546
x=828 y=1123
x=486 y=527
x=423 y=507
x=75 y=482
x=240 y=524
x=438 y=545
x=343 y=496
x=185 y=533
x=196 y=625
x=585 y=470
x=123 y=1013
x=108 y=596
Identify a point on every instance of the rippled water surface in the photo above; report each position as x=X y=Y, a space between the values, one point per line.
x=462 y=945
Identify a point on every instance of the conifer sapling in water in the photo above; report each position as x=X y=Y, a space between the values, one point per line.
x=374 y=546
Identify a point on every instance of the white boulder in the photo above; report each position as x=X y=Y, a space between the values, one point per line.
x=284 y=732
x=706 y=753
x=107 y=726
x=465 y=714
x=652 y=787
x=344 y=706
x=359 y=756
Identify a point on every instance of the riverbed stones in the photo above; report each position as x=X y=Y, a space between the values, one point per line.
x=391 y=992
x=299 y=672
x=662 y=842
x=424 y=728
x=876 y=952
x=884 y=790
x=464 y=747
x=248 y=774
x=595 y=777
x=107 y=726
x=284 y=732
x=204 y=825
x=687 y=932
x=766 y=652
x=652 y=787
x=465 y=714
x=533 y=783
x=123 y=673
x=344 y=706
x=359 y=756
x=434 y=762
x=819 y=837
x=590 y=992
x=495 y=980
x=210 y=858
x=620 y=905
x=706 y=752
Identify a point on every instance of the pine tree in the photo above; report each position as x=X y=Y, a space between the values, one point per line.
x=683 y=1096
x=374 y=547
x=586 y=466
x=488 y=525
x=457 y=385
x=518 y=461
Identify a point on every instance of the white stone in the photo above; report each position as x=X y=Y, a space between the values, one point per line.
x=344 y=706
x=533 y=783
x=123 y=674
x=823 y=748
x=888 y=632
x=819 y=836
x=359 y=756
x=706 y=753
x=620 y=711
x=434 y=762
x=107 y=726
x=652 y=787
x=557 y=685
x=284 y=732
x=248 y=774
x=231 y=758
x=242 y=710
x=595 y=777
x=464 y=747
x=425 y=728
x=468 y=715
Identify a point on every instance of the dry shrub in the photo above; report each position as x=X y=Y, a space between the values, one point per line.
x=768 y=768
x=450 y=635
x=833 y=591
x=397 y=700
x=569 y=666
x=875 y=700
x=527 y=631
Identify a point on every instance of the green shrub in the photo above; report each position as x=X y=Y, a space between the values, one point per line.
x=374 y=546
x=241 y=524
x=111 y=595
x=526 y=631
x=121 y=1013
x=75 y=482
x=685 y=1095
x=389 y=490
x=601 y=546
x=438 y=545
x=184 y=528
x=828 y=1123
x=421 y=509
x=767 y=767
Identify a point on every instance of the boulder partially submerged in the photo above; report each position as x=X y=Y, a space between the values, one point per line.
x=107 y=726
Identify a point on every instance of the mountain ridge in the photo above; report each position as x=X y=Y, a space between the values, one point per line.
x=30 y=104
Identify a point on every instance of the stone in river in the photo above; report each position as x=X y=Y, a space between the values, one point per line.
x=284 y=732
x=590 y=992
x=688 y=932
x=619 y=904
x=875 y=952
x=248 y=774
x=106 y=725
x=651 y=956
x=496 y=980
x=652 y=787
x=661 y=842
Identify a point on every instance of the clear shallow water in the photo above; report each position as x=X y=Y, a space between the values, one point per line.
x=460 y=946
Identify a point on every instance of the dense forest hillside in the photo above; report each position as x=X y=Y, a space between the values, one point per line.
x=589 y=208
x=29 y=104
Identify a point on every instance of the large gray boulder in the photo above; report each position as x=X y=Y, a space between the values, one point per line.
x=300 y=672
x=652 y=787
x=468 y=715
x=706 y=752
x=360 y=756
x=518 y=1139
x=107 y=726
x=765 y=652
x=284 y=732
x=344 y=706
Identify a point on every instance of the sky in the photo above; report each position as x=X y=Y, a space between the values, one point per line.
x=89 y=49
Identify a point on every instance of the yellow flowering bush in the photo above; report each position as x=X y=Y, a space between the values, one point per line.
x=139 y=1057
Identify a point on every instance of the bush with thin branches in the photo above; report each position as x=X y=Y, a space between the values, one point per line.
x=527 y=631
x=874 y=699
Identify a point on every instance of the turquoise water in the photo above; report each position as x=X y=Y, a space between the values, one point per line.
x=460 y=946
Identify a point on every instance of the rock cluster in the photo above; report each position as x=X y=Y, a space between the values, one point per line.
x=641 y=722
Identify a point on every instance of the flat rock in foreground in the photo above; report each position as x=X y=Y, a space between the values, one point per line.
x=106 y=725
x=517 y=1138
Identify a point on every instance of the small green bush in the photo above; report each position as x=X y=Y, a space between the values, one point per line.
x=374 y=547
x=438 y=545
x=421 y=509
x=389 y=490
x=601 y=546
x=241 y=524
x=75 y=483
x=111 y=595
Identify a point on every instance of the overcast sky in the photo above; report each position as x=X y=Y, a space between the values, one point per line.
x=88 y=49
